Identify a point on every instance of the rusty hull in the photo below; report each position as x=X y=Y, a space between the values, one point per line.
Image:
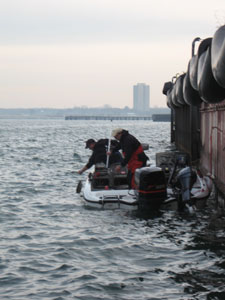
x=213 y=142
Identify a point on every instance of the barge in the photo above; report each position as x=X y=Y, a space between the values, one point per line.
x=197 y=102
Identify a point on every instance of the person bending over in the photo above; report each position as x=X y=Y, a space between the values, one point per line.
x=134 y=156
x=99 y=153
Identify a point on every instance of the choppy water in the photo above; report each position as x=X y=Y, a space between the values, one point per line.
x=52 y=247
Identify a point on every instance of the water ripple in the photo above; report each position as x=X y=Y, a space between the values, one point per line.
x=52 y=247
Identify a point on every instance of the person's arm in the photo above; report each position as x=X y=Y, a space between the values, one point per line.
x=130 y=146
x=127 y=157
x=82 y=170
x=88 y=165
x=115 y=146
x=128 y=150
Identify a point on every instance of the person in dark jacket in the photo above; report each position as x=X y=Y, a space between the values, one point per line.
x=134 y=156
x=99 y=154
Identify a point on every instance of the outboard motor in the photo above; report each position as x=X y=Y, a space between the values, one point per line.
x=185 y=179
x=150 y=185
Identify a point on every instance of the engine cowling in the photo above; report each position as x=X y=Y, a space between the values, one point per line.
x=150 y=184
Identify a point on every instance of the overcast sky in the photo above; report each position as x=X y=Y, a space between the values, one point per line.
x=66 y=53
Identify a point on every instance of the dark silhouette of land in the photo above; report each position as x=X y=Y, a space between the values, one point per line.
x=35 y=113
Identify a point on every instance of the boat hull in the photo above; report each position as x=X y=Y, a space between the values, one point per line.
x=128 y=199
x=109 y=190
x=109 y=198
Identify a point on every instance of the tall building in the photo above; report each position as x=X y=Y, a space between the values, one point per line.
x=140 y=97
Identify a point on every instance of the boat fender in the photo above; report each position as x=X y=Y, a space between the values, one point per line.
x=79 y=187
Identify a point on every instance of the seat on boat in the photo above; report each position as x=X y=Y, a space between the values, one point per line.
x=118 y=179
x=100 y=178
x=104 y=178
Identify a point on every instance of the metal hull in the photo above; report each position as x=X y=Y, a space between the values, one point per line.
x=213 y=142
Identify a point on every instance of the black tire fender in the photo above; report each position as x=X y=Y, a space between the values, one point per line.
x=79 y=187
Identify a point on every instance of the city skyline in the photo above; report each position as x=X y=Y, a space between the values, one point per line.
x=68 y=53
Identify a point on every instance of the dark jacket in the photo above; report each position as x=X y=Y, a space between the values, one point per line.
x=99 y=152
x=129 y=144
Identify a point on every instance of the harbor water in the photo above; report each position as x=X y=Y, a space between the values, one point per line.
x=53 y=247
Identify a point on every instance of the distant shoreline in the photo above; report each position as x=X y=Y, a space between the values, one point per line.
x=54 y=113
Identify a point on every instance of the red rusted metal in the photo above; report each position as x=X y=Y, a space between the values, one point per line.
x=213 y=141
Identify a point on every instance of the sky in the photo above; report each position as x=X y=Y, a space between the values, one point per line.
x=73 y=53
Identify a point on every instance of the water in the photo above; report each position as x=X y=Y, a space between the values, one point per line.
x=52 y=247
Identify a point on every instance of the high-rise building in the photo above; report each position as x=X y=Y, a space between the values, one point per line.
x=140 y=97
